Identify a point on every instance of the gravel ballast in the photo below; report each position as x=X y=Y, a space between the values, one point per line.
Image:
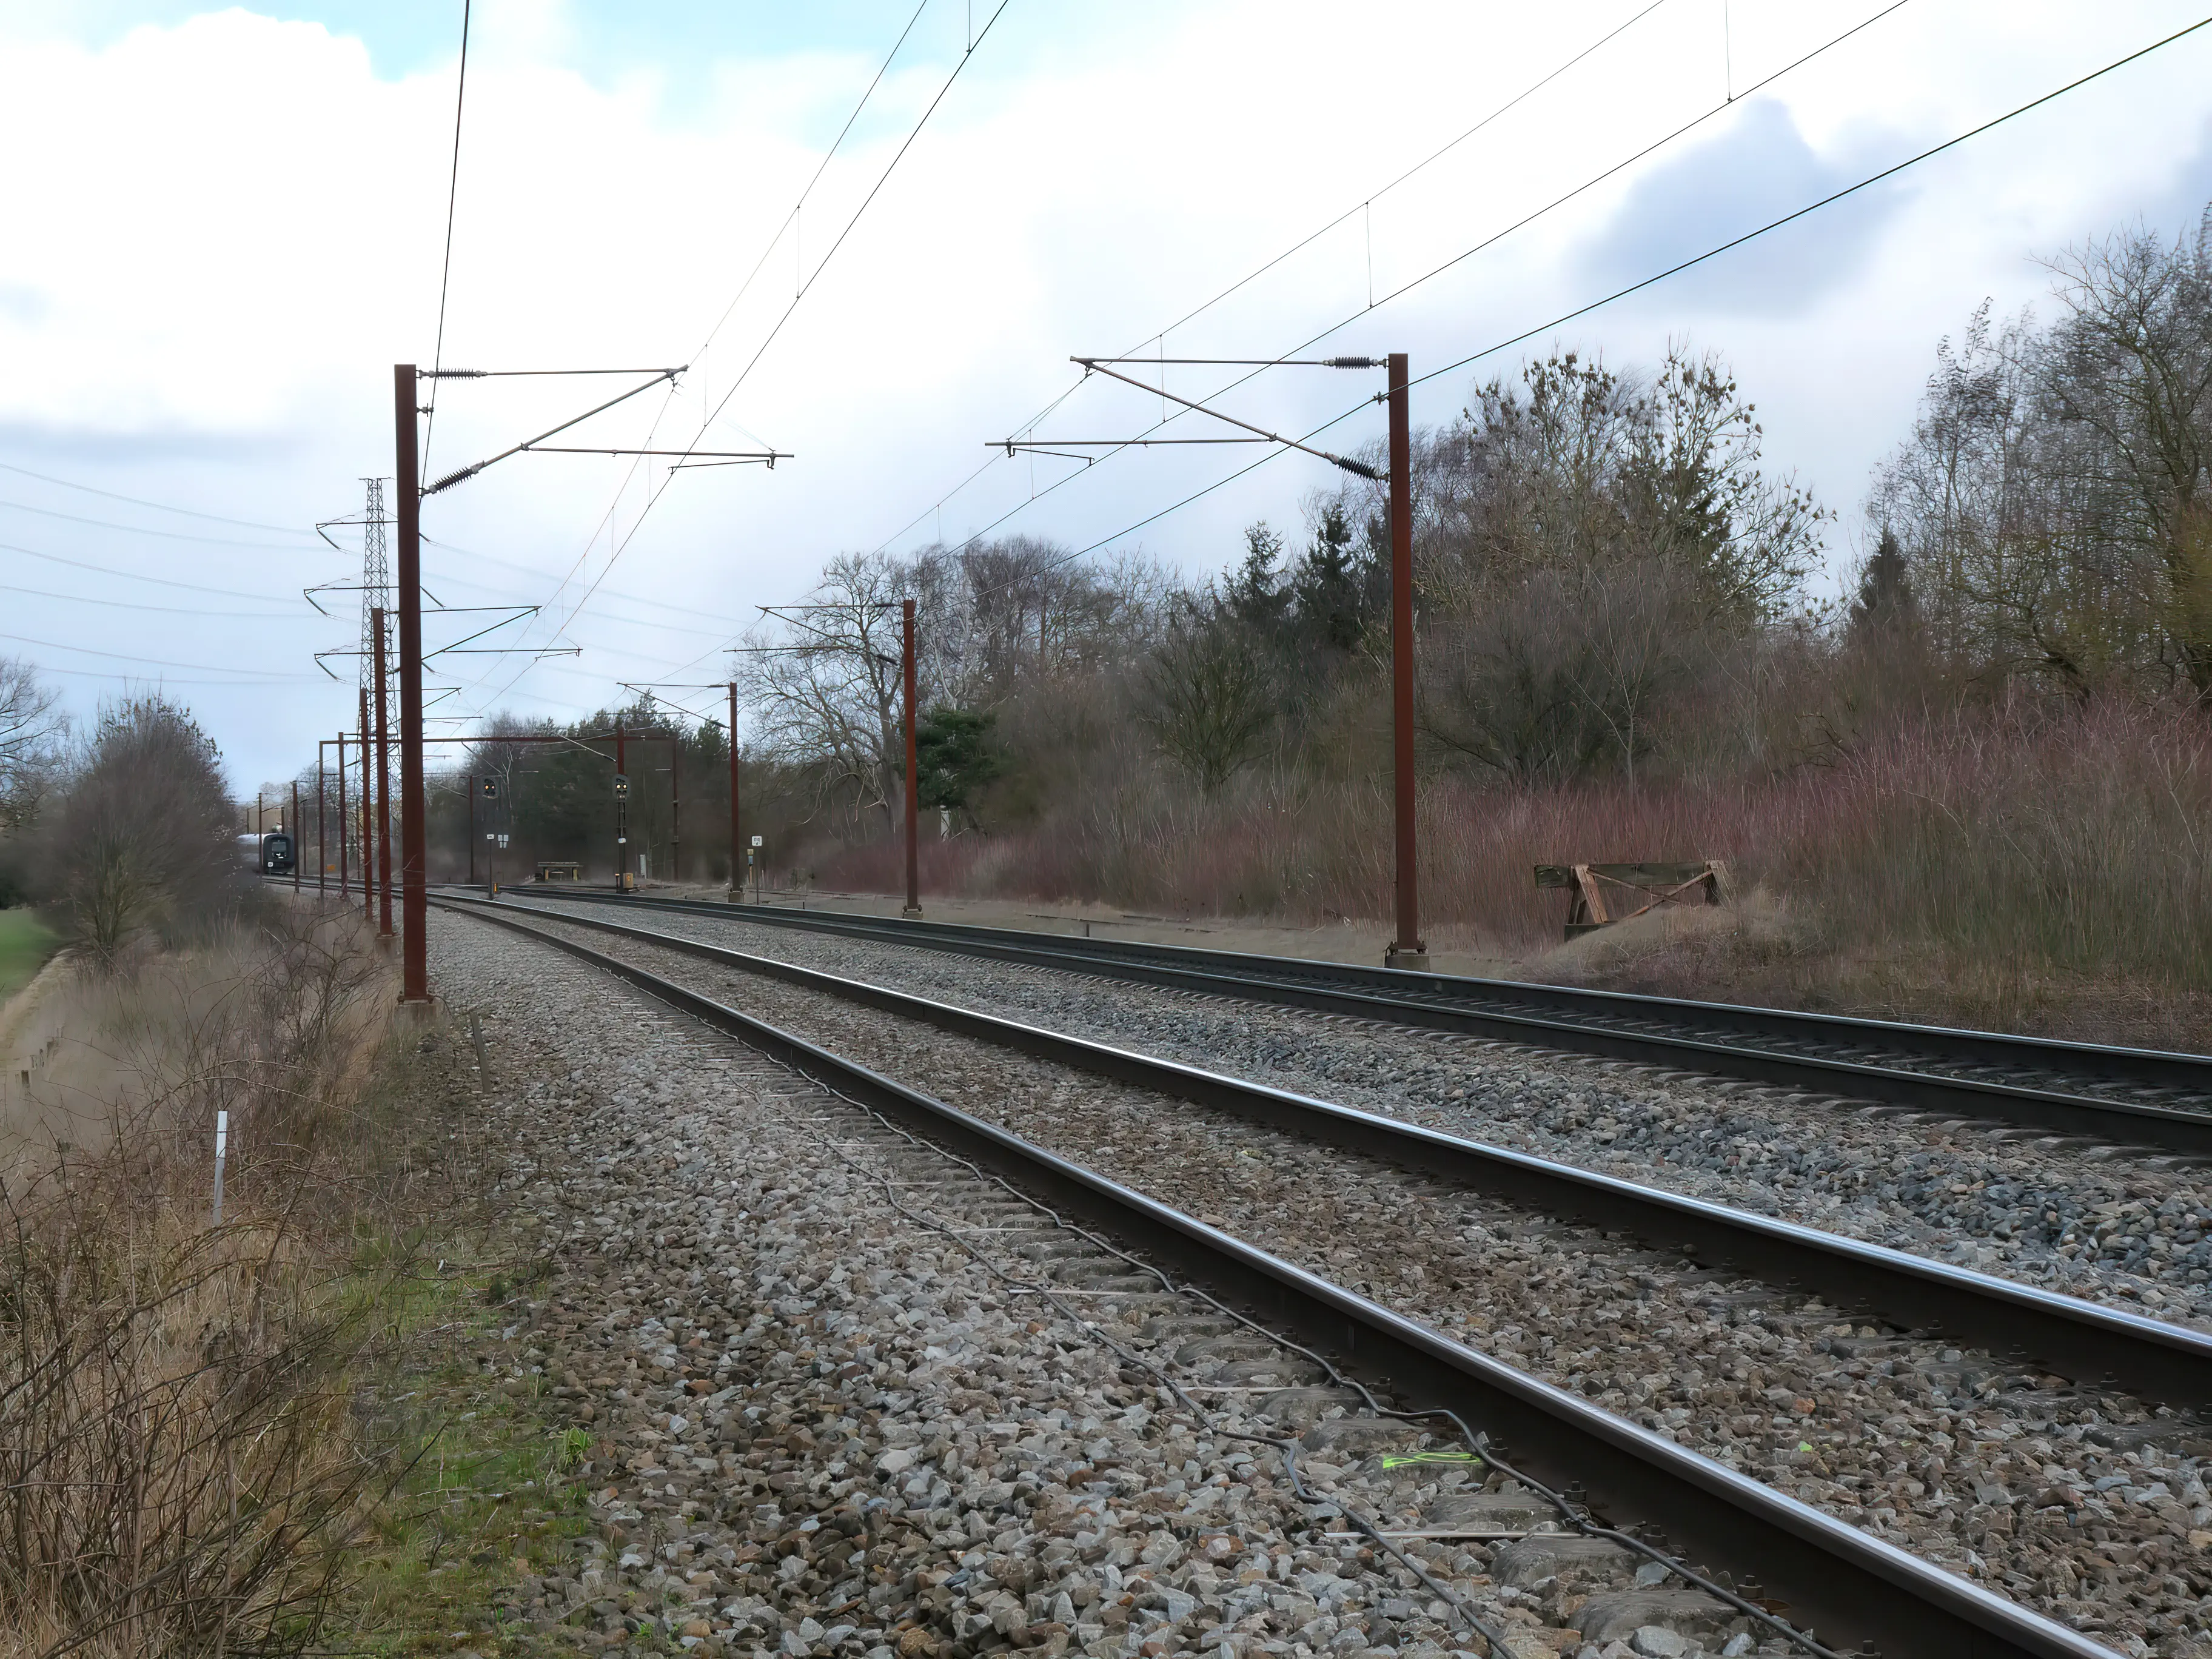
x=843 y=1396
x=2133 y=1230
x=2072 y=1499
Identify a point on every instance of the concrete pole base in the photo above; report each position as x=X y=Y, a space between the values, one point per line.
x=911 y=912
x=419 y=1015
x=1415 y=958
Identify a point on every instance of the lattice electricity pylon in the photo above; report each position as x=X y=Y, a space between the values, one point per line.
x=375 y=594
x=375 y=583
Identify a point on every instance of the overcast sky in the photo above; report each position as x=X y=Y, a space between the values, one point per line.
x=222 y=228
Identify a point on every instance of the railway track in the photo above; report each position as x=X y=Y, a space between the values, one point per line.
x=2131 y=1097
x=1841 y=1578
x=2152 y=1359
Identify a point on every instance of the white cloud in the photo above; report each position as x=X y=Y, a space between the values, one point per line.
x=219 y=235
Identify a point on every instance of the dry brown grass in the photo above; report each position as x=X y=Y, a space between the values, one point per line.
x=2041 y=871
x=187 y=1451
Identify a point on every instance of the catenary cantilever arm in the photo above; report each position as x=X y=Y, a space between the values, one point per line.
x=470 y=471
x=1097 y=366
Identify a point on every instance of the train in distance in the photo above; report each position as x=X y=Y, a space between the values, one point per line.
x=271 y=853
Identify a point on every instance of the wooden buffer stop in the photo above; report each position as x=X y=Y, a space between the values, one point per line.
x=1605 y=893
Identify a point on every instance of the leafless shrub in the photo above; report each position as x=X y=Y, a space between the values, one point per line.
x=183 y=1464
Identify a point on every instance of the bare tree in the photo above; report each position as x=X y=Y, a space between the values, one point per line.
x=992 y=620
x=2131 y=368
x=1210 y=698
x=1002 y=615
x=1641 y=643
x=1579 y=468
x=140 y=837
x=2054 y=501
x=825 y=679
x=32 y=729
x=1573 y=669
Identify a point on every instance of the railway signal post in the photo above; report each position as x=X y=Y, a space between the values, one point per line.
x=621 y=823
x=488 y=787
x=622 y=810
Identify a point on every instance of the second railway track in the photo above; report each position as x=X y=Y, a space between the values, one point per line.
x=2131 y=1095
x=1903 y=1432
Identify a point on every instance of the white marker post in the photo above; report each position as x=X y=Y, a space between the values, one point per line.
x=222 y=1141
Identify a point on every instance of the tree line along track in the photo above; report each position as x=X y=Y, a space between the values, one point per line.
x=1729 y=1516
x=2109 y=1094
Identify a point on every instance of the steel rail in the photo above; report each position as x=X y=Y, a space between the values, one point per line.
x=1845 y=1583
x=2084 y=1340
x=1723 y=1039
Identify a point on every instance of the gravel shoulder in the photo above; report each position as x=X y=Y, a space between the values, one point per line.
x=2074 y=1500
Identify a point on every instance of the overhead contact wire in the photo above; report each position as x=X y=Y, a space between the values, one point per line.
x=1254 y=275
x=1492 y=240
x=445 y=266
x=1637 y=287
x=654 y=499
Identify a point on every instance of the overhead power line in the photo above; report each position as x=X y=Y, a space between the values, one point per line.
x=776 y=328
x=821 y=168
x=1583 y=187
x=1829 y=200
x=259 y=676
x=690 y=610
x=707 y=344
x=653 y=500
x=1675 y=269
x=875 y=189
x=1523 y=223
x=141 y=530
x=1421 y=166
x=164 y=680
x=1364 y=204
x=159 y=506
x=168 y=610
x=129 y=576
x=446 y=265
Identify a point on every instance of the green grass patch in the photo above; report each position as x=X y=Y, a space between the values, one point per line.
x=24 y=943
x=487 y=1500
